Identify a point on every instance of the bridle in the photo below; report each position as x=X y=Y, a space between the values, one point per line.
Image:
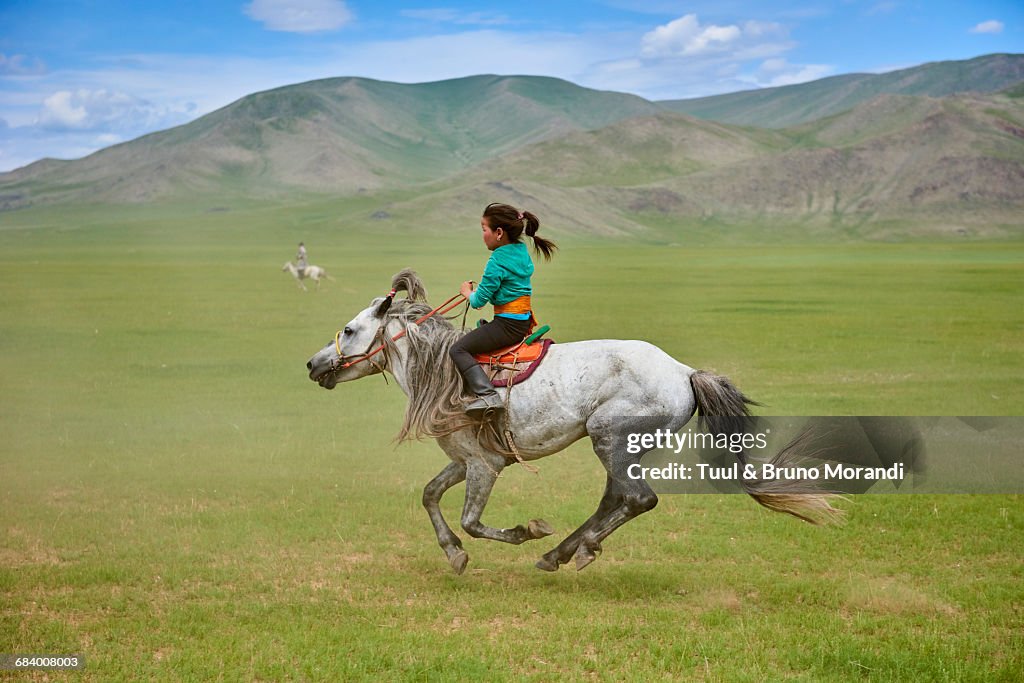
x=344 y=362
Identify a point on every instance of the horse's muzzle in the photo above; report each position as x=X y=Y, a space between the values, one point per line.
x=322 y=373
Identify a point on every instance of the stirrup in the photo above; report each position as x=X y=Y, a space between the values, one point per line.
x=482 y=404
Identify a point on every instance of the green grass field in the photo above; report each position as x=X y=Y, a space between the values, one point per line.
x=179 y=502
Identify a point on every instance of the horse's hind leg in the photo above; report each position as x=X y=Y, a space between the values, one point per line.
x=634 y=498
x=633 y=504
x=564 y=551
x=481 y=473
x=432 y=492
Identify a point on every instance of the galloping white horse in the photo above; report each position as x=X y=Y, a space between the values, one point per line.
x=581 y=389
x=314 y=273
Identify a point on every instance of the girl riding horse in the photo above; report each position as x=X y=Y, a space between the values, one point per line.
x=506 y=284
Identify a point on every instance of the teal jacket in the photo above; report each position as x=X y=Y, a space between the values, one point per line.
x=506 y=277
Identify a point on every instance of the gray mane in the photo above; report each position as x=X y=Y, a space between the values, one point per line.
x=436 y=406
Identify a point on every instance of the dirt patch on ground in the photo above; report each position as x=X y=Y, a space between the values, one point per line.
x=721 y=598
x=22 y=549
x=892 y=595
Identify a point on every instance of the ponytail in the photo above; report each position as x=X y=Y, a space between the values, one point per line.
x=540 y=245
x=515 y=223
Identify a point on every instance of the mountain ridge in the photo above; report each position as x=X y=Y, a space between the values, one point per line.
x=957 y=160
x=345 y=135
x=789 y=105
x=583 y=153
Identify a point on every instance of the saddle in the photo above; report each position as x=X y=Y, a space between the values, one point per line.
x=514 y=364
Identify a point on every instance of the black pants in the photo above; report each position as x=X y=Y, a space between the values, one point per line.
x=488 y=337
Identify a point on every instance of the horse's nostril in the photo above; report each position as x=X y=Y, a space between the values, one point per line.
x=309 y=365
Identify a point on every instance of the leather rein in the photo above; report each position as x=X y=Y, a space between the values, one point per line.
x=342 y=364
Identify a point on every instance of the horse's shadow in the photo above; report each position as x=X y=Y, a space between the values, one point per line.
x=617 y=581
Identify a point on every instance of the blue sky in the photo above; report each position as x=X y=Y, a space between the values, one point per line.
x=76 y=76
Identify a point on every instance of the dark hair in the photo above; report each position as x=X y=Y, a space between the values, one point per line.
x=515 y=222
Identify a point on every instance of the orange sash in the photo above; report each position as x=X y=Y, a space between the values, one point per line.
x=520 y=305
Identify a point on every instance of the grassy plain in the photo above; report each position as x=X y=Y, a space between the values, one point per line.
x=178 y=501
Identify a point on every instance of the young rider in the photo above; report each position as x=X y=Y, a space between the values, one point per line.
x=506 y=284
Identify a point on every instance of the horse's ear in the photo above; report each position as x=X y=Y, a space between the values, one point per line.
x=406 y=280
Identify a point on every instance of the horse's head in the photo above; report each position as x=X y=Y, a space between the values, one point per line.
x=355 y=351
x=344 y=358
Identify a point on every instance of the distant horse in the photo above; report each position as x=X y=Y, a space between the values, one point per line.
x=581 y=389
x=314 y=273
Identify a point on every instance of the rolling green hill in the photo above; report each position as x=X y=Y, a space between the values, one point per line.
x=589 y=161
x=795 y=104
x=635 y=151
x=344 y=135
x=951 y=164
x=950 y=161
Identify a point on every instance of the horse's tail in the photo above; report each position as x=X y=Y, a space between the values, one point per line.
x=723 y=409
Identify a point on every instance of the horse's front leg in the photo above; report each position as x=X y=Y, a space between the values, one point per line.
x=432 y=492
x=481 y=473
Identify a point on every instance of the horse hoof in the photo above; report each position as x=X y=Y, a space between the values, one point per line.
x=546 y=565
x=584 y=556
x=459 y=559
x=538 y=528
x=583 y=560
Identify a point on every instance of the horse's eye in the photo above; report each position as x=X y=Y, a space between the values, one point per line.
x=348 y=330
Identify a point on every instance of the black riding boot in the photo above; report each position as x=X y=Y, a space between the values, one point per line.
x=475 y=381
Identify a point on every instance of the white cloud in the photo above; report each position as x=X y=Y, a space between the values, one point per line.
x=300 y=16
x=778 y=72
x=990 y=26
x=20 y=65
x=103 y=110
x=685 y=58
x=686 y=37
